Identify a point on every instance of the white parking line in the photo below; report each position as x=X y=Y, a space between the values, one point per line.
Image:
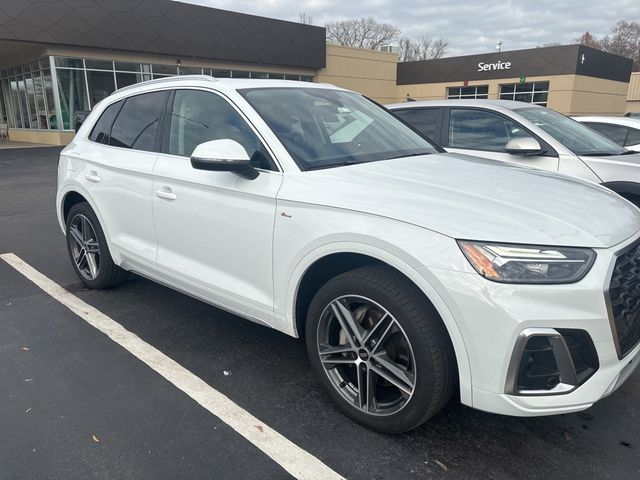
x=288 y=455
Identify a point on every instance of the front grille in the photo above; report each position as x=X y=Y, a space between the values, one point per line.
x=624 y=298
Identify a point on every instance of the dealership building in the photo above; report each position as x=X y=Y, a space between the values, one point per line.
x=58 y=58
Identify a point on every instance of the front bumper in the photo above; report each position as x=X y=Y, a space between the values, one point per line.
x=492 y=318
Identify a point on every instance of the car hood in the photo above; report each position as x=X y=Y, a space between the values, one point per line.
x=473 y=198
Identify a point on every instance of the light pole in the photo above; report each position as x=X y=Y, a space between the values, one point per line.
x=499 y=46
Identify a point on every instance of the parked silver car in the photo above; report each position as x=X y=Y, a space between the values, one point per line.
x=624 y=131
x=526 y=134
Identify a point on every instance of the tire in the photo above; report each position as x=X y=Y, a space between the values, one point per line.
x=410 y=337
x=88 y=250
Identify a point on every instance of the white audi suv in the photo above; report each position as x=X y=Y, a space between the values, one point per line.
x=412 y=274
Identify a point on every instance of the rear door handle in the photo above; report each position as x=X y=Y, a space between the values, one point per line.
x=166 y=193
x=92 y=176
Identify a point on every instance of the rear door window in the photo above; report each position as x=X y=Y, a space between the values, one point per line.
x=425 y=120
x=137 y=123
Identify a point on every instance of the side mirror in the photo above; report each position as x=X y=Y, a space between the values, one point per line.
x=223 y=156
x=524 y=146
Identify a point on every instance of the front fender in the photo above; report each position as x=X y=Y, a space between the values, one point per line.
x=410 y=268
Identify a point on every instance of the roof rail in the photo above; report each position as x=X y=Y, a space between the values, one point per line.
x=172 y=78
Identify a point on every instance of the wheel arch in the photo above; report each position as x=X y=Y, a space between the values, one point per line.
x=329 y=261
x=70 y=197
x=628 y=190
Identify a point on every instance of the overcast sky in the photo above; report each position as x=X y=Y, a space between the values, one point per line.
x=469 y=26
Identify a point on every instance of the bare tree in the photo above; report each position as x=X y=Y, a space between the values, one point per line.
x=361 y=33
x=624 y=40
x=588 y=40
x=304 y=17
x=425 y=48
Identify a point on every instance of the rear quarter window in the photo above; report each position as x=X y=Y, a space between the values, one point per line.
x=102 y=129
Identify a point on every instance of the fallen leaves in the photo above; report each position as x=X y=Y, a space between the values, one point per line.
x=260 y=429
x=95 y=439
x=441 y=465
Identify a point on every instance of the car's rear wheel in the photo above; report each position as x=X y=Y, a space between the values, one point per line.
x=88 y=249
x=380 y=350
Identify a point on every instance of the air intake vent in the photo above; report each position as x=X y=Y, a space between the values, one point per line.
x=551 y=362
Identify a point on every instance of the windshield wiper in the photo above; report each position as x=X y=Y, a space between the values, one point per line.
x=600 y=154
x=410 y=155
x=331 y=165
x=628 y=152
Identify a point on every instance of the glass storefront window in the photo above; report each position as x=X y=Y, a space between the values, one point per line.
x=101 y=85
x=125 y=79
x=476 y=92
x=531 y=92
x=221 y=73
x=68 y=62
x=98 y=65
x=190 y=71
x=28 y=95
x=72 y=89
x=165 y=69
x=128 y=67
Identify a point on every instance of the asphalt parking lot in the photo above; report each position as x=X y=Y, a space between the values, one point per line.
x=75 y=405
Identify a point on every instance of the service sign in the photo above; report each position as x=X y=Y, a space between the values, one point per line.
x=487 y=67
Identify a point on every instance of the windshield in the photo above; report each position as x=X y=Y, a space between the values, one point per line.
x=323 y=128
x=578 y=138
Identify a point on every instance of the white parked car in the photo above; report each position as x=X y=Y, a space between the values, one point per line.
x=411 y=274
x=625 y=131
x=526 y=134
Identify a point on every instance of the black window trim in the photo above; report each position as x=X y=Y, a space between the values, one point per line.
x=549 y=150
x=88 y=137
x=166 y=125
x=605 y=124
x=156 y=144
x=439 y=122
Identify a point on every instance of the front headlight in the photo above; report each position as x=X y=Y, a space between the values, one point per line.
x=527 y=263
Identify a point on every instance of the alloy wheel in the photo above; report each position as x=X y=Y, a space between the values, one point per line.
x=366 y=355
x=84 y=247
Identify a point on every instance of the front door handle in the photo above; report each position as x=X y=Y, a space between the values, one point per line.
x=166 y=193
x=92 y=176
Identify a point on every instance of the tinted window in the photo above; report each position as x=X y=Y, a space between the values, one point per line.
x=634 y=137
x=100 y=132
x=424 y=119
x=482 y=130
x=198 y=117
x=616 y=133
x=137 y=122
x=322 y=127
x=577 y=137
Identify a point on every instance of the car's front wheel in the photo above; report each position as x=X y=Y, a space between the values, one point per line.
x=88 y=250
x=380 y=350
